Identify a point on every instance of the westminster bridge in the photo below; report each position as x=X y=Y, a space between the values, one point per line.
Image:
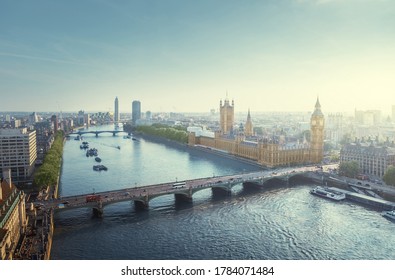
x=182 y=190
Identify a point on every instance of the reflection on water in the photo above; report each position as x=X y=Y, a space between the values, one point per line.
x=277 y=223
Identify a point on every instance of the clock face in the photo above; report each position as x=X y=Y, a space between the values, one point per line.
x=313 y=122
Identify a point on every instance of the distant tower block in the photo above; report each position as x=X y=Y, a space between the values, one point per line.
x=227 y=113
x=136 y=111
x=116 y=110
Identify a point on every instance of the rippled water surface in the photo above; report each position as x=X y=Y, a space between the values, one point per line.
x=275 y=223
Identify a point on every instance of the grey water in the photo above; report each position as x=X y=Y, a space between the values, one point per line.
x=279 y=222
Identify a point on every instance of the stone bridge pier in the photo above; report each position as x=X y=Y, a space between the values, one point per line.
x=182 y=197
x=98 y=210
x=141 y=204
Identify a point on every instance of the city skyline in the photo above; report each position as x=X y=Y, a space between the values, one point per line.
x=179 y=56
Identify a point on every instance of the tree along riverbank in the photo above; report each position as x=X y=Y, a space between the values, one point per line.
x=176 y=133
x=48 y=173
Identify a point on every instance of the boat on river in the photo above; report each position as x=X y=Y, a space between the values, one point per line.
x=328 y=193
x=92 y=152
x=100 y=168
x=389 y=215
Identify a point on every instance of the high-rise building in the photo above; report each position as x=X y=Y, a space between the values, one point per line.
x=87 y=119
x=248 y=129
x=18 y=150
x=136 y=111
x=54 y=121
x=33 y=118
x=227 y=116
x=81 y=118
x=393 y=113
x=116 y=110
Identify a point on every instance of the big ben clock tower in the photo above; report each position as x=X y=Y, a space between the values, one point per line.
x=317 y=123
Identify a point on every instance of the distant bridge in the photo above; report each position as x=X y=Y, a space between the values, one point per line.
x=182 y=190
x=97 y=132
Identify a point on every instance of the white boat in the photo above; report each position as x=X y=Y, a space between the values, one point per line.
x=328 y=193
x=389 y=214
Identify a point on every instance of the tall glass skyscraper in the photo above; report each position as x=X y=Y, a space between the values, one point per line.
x=116 y=110
x=136 y=111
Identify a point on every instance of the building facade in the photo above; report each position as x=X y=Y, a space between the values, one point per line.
x=116 y=110
x=13 y=220
x=18 y=152
x=372 y=160
x=136 y=111
x=265 y=151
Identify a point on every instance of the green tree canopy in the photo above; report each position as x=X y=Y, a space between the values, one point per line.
x=349 y=169
x=48 y=173
x=173 y=133
x=389 y=175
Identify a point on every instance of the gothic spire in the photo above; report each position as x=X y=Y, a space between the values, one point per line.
x=317 y=111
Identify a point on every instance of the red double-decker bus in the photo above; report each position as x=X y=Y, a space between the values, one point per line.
x=93 y=198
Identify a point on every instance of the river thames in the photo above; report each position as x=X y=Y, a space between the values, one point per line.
x=280 y=222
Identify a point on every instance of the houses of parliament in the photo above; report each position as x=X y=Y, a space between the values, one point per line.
x=265 y=151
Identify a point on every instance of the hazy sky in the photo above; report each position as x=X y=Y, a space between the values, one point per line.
x=184 y=55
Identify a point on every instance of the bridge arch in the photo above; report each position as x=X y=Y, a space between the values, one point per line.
x=275 y=181
x=300 y=179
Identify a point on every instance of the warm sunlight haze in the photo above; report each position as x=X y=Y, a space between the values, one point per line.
x=183 y=56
